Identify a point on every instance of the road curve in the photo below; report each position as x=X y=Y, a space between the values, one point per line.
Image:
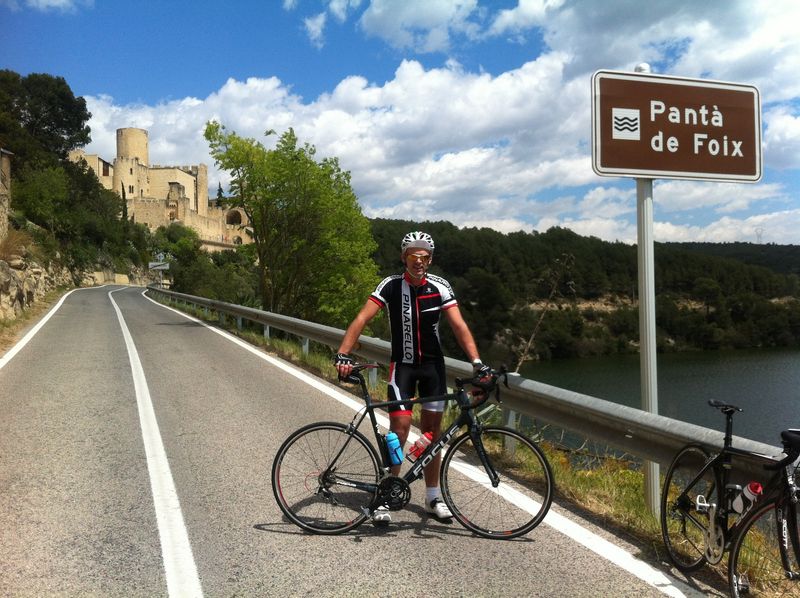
x=135 y=454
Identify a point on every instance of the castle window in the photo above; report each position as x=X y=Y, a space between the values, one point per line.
x=105 y=168
x=131 y=170
x=130 y=189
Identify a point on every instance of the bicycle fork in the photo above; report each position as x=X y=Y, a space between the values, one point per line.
x=484 y=458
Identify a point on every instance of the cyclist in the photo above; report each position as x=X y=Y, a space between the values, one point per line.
x=414 y=301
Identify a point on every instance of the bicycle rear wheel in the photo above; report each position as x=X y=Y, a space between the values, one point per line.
x=521 y=500
x=683 y=526
x=755 y=565
x=312 y=490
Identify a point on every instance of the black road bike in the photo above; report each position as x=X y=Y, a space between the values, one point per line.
x=699 y=521
x=329 y=478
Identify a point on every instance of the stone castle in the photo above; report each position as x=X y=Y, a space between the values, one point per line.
x=160 y=195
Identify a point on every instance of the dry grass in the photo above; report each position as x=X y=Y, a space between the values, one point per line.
x=14 y=244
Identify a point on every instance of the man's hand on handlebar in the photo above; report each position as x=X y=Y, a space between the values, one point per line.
x=480 y=370
x=343 y=364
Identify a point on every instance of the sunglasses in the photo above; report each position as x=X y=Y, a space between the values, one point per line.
x=423 y=258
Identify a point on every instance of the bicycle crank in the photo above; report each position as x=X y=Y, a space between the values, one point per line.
x=714 y=537
x=393 y=493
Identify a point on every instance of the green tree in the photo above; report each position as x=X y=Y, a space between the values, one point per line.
x=312 y=242
x=41 y=120
x=41 y=195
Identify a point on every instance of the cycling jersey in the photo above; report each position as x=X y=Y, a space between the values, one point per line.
x=414 y=315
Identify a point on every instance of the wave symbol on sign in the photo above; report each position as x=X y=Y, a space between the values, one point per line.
x=625 y=124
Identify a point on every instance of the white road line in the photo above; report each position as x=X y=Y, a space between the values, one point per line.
x=32 y=332
x=179 y=564
x=595 y=543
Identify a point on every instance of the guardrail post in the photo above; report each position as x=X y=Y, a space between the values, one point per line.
x=266 y=331
x=373 y=377
x=206 y=311
x=510 y=445
x=511 y=418
x=238 y=322
x=221 y=318
x=305 y=346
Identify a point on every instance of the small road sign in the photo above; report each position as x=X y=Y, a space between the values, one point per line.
x=158 y=266
x=655 y=126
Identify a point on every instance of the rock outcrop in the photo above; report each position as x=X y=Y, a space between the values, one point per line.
x=23 y=282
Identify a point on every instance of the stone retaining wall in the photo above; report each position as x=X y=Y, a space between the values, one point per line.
x=23 y=282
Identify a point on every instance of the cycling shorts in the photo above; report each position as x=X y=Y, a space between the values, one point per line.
x=405 y=379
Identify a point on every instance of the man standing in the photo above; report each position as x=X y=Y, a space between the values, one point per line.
x=414 y=301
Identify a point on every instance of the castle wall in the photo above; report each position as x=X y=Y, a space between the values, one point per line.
x=150 y=212
x=201 y=180
x=162 y=176
x=104 y=170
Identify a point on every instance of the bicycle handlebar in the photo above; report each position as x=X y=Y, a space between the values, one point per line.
x=486 y=384
x=791 y=446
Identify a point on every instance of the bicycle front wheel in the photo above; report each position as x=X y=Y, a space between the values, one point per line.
x=517 y=504
x=314 y=473
x=755 y=564
x=683 y=524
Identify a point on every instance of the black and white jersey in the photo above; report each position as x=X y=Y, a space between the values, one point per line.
x=414 y=315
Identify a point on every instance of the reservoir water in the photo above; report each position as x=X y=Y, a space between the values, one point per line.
x=764 y=383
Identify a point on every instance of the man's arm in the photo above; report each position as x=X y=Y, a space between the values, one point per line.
x=354 y=331
x=462 y=333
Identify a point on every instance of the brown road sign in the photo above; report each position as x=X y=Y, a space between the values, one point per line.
x=655 y=126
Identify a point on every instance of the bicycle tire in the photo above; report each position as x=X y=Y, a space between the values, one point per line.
x=312 y=503
x=755 y=566
x=682 y=525
x=525 y=493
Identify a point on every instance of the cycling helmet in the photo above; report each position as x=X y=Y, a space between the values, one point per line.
x=417 y=240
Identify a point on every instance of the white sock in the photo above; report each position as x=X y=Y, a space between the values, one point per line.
x=431 y=493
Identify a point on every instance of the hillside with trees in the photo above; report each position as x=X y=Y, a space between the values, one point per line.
x=586 y=289
x=58 y=208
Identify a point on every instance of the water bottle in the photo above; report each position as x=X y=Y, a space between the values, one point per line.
x=747 y=496
x=419 y=446
x=394 y=448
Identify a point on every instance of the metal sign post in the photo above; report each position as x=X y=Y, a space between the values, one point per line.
x=647 y=126
x=647 y=327
x=160 y=266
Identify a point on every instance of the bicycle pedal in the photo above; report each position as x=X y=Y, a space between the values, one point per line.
x=701 y=504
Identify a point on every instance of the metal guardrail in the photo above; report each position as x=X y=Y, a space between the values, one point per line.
x=652 y=437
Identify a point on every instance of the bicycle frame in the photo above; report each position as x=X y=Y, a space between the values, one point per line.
x=466 y=418
x=779 y=490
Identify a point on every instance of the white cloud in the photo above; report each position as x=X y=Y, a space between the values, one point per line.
x=679 y=196
x=509 y=150
x=421 y=25
x=340 y=8
x=782 y=138
x=315 y=29
x=48 y=5
x=777 y=227
x=528 y=14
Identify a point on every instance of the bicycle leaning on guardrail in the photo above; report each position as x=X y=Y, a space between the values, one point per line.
x=328 y=478
x=703 y=515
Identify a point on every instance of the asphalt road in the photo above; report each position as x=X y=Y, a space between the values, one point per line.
x=101 y=496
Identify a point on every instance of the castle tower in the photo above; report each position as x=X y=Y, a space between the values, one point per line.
x=133 y=143
x=201 y=175
x=130 y=165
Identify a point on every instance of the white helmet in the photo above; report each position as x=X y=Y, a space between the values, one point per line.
x=417 y=240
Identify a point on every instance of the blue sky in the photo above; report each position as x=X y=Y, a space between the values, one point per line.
x=476 y=112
